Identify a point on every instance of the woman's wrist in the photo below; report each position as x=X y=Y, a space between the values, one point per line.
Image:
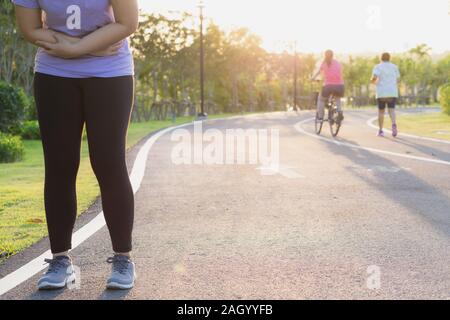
x=76 y=49
x=71 y=39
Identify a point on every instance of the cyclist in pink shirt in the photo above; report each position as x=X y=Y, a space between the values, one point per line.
x=331 y=71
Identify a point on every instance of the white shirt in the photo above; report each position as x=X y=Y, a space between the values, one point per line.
x=388 y=75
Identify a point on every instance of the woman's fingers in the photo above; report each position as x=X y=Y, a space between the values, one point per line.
x=114 y=49
x=117 y=46
x=112 y=52
x=46 y=45
x=58 y=37
x=50 y=52
x=109 y=51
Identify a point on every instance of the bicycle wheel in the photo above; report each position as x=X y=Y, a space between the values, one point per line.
x=318 y=124
x=335 y=124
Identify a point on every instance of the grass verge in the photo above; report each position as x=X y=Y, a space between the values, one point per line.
x=433 y=125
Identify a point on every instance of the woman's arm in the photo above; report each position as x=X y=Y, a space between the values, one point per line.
x=318 y=73
x=30 y=24
x=374 y=79
x=314 y=78
x=126 y=15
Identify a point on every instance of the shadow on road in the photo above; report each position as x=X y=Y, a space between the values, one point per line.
x=114 y=294
x=45 y=295
x=426 y=149
x=403 y=187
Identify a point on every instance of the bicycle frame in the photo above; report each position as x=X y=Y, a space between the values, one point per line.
x=335 y=126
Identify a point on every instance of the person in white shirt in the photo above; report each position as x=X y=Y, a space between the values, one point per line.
x=386 y=76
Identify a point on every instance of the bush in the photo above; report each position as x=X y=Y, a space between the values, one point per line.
x=30 y=130
x=14 y=103
x=31 y=111
x=444 y=98
x=11 y=148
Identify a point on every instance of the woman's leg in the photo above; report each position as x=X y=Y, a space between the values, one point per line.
x=321 y=107
x=340 y=93
x=60 y=114
x=323 y=97
x=381 y=113
x=338 y=104
x=107 y=107
x=391 y=106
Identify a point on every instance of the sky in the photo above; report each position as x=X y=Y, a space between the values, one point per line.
x=346 y=26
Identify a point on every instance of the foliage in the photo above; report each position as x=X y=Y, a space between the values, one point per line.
x=444 y=98
x=240 y=75
x=30 y=130
x=11 y=148
x=16 y=55
x=14 y=104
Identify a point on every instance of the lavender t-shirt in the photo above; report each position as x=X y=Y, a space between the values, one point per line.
x=78 y=18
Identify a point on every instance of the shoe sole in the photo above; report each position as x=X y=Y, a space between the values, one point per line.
x=46 y=286
x=118 y=286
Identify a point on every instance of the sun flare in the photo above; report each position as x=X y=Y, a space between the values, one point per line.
x=348 y=26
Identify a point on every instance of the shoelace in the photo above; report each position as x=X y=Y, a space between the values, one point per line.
x=120 y=264
x=53 y=265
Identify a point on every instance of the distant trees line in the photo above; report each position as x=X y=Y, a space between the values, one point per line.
x=240 y=75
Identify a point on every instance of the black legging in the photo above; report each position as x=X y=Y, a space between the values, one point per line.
x=104 y=104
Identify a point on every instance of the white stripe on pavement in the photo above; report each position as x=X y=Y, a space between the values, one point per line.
x=36 y=265
x=300 y=129
x=371 y=124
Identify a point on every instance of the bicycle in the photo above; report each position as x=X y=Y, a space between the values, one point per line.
x=333 y=117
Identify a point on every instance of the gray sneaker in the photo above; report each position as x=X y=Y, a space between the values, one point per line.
x=123 y=273
x=59 y=274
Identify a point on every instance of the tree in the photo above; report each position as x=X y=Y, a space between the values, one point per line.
x=17 y=56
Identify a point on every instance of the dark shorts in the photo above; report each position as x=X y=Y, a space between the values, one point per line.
x=336 y=90
x=387 y=102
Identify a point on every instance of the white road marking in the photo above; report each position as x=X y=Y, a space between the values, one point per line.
x=287 y=172
x=300 y=129
x=384 y=169
x=371 y=124
x=36 y=265
x=381 y=169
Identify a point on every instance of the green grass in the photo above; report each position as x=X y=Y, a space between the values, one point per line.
x=400 y=107
x=22 y=215
x=433 y=125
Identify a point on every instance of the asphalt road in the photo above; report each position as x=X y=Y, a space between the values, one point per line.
x=364 y=218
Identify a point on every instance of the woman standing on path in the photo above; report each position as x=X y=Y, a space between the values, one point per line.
x=83 y=76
